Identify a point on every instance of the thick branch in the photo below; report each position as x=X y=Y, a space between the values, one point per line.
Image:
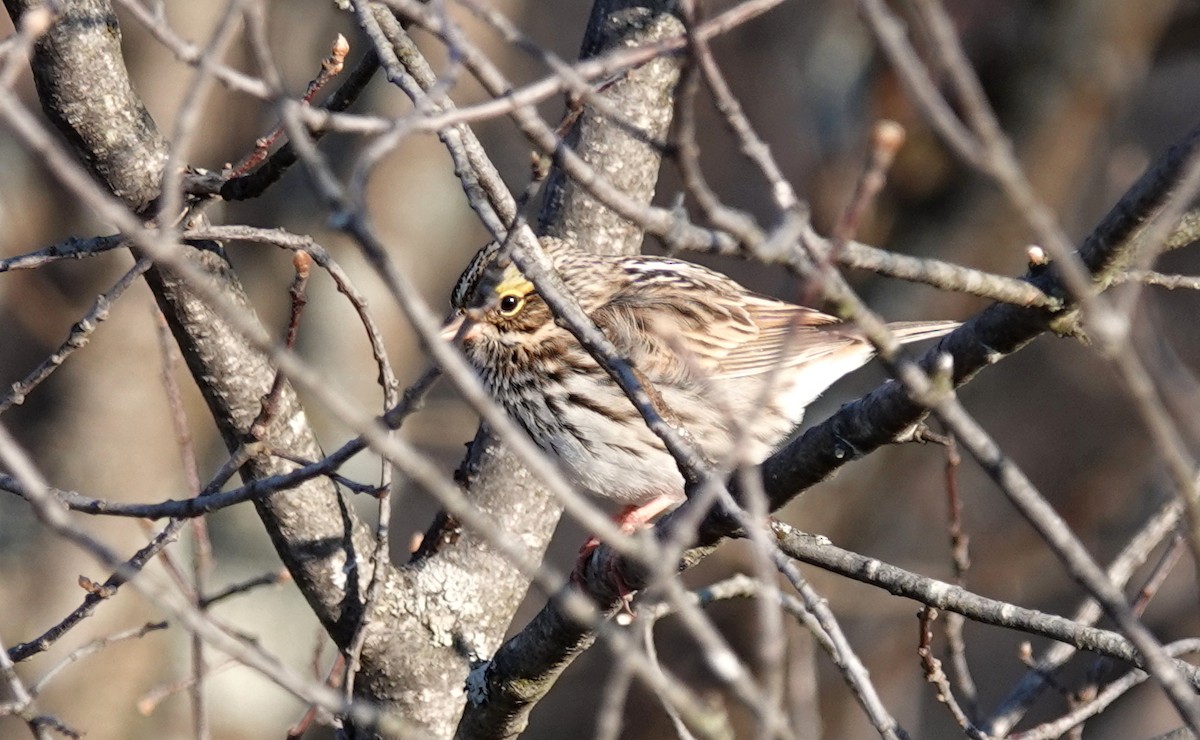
x=570 y=211
x=627 y=153
x=856 y=430
x=999 y=330
x=86 y=92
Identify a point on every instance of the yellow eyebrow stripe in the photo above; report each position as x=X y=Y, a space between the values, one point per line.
x=514 y=282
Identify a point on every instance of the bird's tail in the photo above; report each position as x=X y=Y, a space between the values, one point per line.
x=915 y=331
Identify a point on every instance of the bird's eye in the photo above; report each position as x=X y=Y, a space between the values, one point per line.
x=510 y=304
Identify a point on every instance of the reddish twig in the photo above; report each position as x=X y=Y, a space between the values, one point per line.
x=332 y=679
x=960 y=542
x=302 y=263
x=886 y=139
x=1159 y=574
x=961 y=555
x=201 y=546
x=331 y=66
x=934 y=674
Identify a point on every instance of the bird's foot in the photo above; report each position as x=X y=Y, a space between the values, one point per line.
x=630 y=519
x=612 y=574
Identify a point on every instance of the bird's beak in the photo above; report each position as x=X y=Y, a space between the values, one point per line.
x=455 y=325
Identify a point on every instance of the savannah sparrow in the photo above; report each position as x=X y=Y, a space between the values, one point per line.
x=727 y=365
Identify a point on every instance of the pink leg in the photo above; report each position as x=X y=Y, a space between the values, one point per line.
x=630 y=519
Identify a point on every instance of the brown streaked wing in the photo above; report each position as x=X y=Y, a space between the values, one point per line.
x=785 y=335
x=725 y=337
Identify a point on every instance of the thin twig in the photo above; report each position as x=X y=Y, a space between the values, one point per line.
x=152 y=698
x=77 y=338
x=331 y=66
x=201 y=546
x=948 y=597
x=1158 y=574
x=992 y=152
x=245 y=652
x=934 y=674
x=333 y=678
x=961 y=557
x=91 y=648
x=1012 y=708
x=853 y=671
x=246 y=586
x=191 y=54
x=22 y=703
x=1170 y=282
x=74 y=248
x=120 y=575
x=25 y=650
x=1113 y=691
x=302 y=263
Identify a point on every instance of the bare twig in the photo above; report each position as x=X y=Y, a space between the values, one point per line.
x=934 y=674
x=843 y=655
x=1109 y=694
x=1013 y=707
x=22 y=703
x=120 y=575
x=302 y=263
x=91 y=648
x=1170 y=282
x=73 y=248
x=247 y=653
x=331 y=66
x=148 y=703
x=201 y=546
x=333 y=678
x=991 y=151
x=94 y=597
x=961 y=556
x=246 y=586
x=948 y=597
x=76 y=339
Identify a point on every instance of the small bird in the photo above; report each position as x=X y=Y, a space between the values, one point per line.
x=731 y=369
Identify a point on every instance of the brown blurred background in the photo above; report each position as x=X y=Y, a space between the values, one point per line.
x=1090 y=91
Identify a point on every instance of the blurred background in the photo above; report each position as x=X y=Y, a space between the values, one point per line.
x=1091 y=91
